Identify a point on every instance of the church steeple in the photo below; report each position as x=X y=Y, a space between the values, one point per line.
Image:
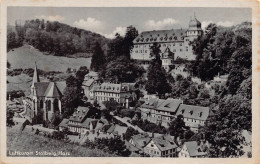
x=36 y=78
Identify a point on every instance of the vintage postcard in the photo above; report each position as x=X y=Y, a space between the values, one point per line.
x=130 y=81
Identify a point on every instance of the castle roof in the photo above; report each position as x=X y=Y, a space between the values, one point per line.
x=194 y=24
x=161 y=36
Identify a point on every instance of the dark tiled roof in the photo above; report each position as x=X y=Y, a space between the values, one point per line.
x=41 y=88
x=193 y=112
x=169 y=105
x=80 y=114
x=161 y=36
x=163 y=144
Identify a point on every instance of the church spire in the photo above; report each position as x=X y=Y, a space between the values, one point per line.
x=36 y=78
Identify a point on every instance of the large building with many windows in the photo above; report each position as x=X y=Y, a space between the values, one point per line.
x=177 y=40
x=123 y=93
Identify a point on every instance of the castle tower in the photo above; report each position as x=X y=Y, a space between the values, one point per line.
x=194 y=29
x=167 y=59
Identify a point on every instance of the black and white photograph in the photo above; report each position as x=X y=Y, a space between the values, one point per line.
x=164 y=82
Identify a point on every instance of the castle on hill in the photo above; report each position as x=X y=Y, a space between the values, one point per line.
x=177 y=41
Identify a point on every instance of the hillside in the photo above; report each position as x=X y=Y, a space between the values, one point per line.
x=26 y=56
x=54 y=38
x=29 y=142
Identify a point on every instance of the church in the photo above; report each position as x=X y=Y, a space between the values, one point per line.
x=45 y=98
x=177 y=41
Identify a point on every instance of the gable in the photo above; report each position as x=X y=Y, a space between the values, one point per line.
x=152 y=145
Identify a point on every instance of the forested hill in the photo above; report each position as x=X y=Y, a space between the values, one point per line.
x=53 y=37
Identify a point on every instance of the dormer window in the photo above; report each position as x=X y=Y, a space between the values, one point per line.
x=182 y=111
x=200 y=114
x=191 y=112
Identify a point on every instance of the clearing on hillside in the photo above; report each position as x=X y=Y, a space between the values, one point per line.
x=26 y=56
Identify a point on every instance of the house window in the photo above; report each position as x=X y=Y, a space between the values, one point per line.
x=180 y=44
x=180 y=50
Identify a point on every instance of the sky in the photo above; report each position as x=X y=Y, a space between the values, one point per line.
x=111 y=20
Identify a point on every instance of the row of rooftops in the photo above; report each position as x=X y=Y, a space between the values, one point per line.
x=166 y=142
x=177 y=107
x=163 y=142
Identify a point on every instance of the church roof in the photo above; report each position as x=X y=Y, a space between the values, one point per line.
x=36 y=78
x=61 y=85
x=52 y=90
x=161 y=36
x=40 y=88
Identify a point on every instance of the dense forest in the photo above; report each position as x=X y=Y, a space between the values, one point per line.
x=54 y=38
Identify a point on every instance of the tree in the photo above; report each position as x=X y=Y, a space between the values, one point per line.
x=111 y=105
x=11 y=40
x=72 y=96
x=130 y=35
x=80 y=74
x=98 y=58
x=157 y=82
x=177 y=127
x=9 y=118
x=122 y=70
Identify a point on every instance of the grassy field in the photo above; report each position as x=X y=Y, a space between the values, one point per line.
x=26 y=141
x=26 y=56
